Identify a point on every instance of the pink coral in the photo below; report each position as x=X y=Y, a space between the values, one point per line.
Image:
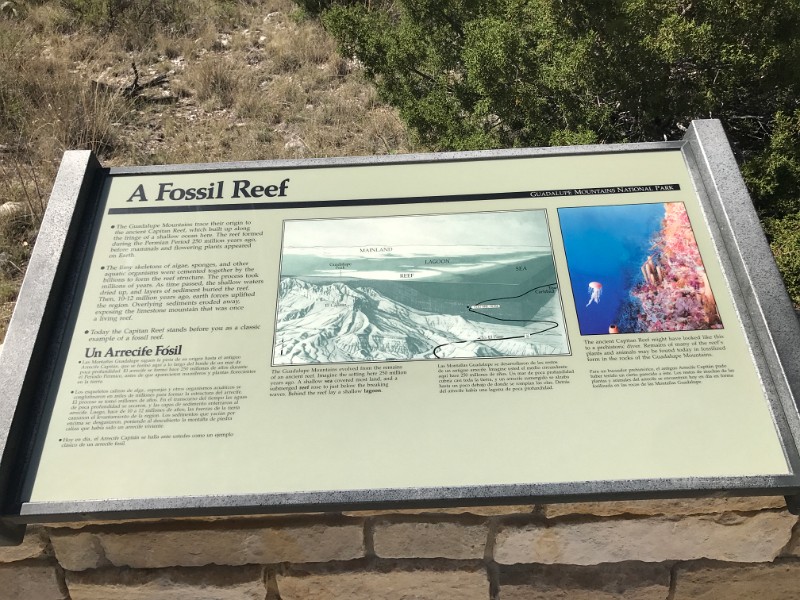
x=675 y=294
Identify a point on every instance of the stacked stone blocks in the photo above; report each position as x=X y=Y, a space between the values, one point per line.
x=638 y=550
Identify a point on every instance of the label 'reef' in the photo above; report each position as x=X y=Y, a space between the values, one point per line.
x=242 y=188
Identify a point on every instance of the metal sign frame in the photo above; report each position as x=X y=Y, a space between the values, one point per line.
x=38 y=329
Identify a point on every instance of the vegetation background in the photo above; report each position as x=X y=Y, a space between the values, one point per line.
x=172 y=81
x=167 y=81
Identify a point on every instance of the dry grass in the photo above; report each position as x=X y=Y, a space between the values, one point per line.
x=246 y=80
x=273 y=89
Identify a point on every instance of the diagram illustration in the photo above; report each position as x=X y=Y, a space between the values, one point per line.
x=420 y=287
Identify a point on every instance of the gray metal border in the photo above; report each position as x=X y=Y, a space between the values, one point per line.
x=350 y=161
x=328 y=501
x=752 y=277
x=762 y=293
x=22 y=362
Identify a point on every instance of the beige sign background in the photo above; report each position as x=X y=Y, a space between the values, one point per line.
x=188 y=372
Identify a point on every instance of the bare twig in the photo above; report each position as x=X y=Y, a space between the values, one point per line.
x=24 y=187
x=134 y=88
x=15 y=265
x=36 y=185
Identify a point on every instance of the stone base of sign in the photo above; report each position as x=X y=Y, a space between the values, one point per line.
x=33 y=579
x=420 y=584
x=209 y=583
x=186 y=546
x=727 y=536
x=630 y=580
x=640 y=550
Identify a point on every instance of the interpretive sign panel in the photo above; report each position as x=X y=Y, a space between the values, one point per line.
x=451 y=328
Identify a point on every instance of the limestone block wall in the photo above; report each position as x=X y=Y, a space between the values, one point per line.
x=696 y=549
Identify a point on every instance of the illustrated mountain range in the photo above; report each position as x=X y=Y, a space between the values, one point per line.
x=347 y=321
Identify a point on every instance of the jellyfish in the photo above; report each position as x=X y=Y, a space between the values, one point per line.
x=595 y=289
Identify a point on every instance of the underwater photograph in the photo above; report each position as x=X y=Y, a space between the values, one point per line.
x=636 y=268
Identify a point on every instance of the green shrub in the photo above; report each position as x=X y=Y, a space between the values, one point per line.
x=111 y=14
x=138 y=21
x=784 y=236
x=774 y=174
x=317 y=7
